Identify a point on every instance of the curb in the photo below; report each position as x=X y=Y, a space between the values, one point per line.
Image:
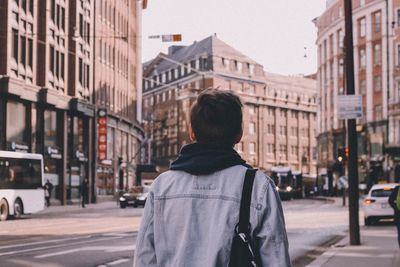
x=327 y=199
x=312 y=257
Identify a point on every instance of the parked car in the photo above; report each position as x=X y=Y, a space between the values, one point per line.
x=376 y=205
x=135 y=197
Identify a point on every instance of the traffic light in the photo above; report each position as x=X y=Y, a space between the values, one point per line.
x=119 y=161
x=346 y=150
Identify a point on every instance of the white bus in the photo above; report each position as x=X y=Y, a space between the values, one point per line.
x=21 y=184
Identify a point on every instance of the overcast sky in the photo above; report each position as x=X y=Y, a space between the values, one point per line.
x=272 y=32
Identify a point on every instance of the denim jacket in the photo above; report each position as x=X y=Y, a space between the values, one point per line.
x=189 y=220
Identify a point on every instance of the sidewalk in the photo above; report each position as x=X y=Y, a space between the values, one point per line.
x=76 y=207
x=378 y=248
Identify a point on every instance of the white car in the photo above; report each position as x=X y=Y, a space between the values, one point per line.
x=376 y=205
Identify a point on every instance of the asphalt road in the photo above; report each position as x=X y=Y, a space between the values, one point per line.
x=108 y=249
x=105 y=235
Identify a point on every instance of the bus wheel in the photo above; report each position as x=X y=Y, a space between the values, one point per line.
x=18 y=208
x=3 y=210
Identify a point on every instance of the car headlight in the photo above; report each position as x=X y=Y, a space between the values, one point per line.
x=277 y=188
x=141 y=198
x=122 y=199
x=289 y=188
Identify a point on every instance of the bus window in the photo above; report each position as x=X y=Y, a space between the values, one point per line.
x=24 y=174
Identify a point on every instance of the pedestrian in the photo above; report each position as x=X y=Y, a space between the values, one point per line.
x=84 y=192
x=394 y=201
x=192 y=210
x=48 y=188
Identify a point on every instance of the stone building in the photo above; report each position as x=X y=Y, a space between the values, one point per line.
x=49 y=88
x=279 y=111
x=117 y=91
x=377 y=79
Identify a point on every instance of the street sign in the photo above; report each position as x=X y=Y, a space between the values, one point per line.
x=102 y=134
x=167 y=37
x=172 y=38
x=349 y=107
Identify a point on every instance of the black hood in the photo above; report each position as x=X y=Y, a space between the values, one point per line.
x=202 y=158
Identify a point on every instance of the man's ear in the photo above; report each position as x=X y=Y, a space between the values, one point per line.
x=191 y=134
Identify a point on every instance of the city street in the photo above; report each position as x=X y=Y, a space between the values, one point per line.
x=105 y=235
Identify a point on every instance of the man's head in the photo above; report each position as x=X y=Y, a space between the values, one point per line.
x=216 y=117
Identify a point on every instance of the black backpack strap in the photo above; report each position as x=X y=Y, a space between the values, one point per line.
x=244 y=214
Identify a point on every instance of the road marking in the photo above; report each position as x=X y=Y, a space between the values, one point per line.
x=116 y=262
x=57 y=246
x=44 y=242
x=108 y=249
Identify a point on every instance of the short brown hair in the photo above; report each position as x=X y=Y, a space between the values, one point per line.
x=216 y=117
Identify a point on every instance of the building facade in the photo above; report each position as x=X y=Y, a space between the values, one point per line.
x=47 y=89
x=376 y=60
x=279 y=114
x=116 y=92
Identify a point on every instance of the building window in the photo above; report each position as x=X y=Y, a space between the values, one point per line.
x=363 y=87
x=30 y=53
x=398 y=90
x=15 y=45
x=378 y=112
x=81 y=71
x=57 y=72
x=16 y=120
x=252 y=148
x=341 y=38
x=377 y=21
x=252 y=89
x=398 y=17
x=398 y=55
x=283 y=113
x=252 y=128
x=31 y=7
x=377 y=54
x=361 y=26
x=377 y=83
x=62 y=65
x=50 y=128
x=239 y=66
x=362 y=58
x=51 y=59
x=251 y=69
x=23 y=51
x=251 y=110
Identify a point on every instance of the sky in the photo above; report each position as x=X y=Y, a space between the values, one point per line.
x=275 y=33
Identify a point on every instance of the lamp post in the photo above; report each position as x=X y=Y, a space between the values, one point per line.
x=354 y=227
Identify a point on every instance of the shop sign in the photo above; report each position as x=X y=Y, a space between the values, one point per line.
x=80 y=156
x=102 y=134
x=19 y=147
x=53 y=152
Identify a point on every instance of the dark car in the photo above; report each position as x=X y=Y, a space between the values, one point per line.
x=135 y=197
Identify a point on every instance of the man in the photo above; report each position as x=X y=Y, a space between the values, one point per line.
x=394 y=201
x=84 y=192
x=48 y=188
x=192 y=209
